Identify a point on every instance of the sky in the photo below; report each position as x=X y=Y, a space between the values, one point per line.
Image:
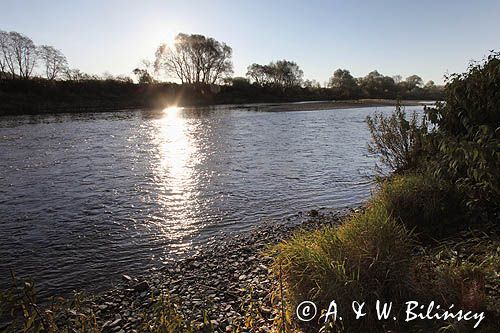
x=428 y=38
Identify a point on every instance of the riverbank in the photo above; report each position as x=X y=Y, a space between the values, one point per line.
x=222 y=288
x=333 y=105
x=225 y=286
x=262 y=107
x=231 y=284
x=39 y=96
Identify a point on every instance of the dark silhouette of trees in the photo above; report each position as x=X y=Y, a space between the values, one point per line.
x=282 y=73
x=259 y=74
x=143 y=76
x=74 y=74
x=19 y=54
x=202 y=64
x=344 y=84
x=376 y=84
x=144 y=72
x=195 y=59
x=53 y=60
x=414 y=81
x=3 y=49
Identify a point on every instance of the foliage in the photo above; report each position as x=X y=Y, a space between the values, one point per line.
x=282 y=73
x=24 y=313
x=426 y=205
x=398 y=141
x=345 y=84
x=195 y=59
x=366 y=258
x=468 y=134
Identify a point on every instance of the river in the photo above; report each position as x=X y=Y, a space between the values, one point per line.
x=85 y=198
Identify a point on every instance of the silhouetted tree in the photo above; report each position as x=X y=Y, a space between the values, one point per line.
x=54 y=61
x=76 y=75
x=376 y=85
x=414 y=81
x=143 y=76
x=312 y=84
x=3 y=45
x=397 y=78
x=344 y=83
x=19 y=54
x=287 y=73
x=282 y=73
x=195 y=59
x=430 y=84
x=258 y=74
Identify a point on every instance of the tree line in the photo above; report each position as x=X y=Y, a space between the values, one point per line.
x=21 y=58
x=204 y=68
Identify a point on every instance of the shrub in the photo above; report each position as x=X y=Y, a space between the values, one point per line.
x=398 y=141
x=366 y=258
x=468 y=134
x=428 y=206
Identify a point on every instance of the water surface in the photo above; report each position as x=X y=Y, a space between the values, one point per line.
x=87 y=197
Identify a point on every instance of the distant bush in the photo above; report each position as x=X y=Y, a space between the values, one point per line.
x=468 y=135
x=397 y=140
x=430 y=207
x=366 y=258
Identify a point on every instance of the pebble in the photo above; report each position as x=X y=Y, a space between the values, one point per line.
x=219 y=281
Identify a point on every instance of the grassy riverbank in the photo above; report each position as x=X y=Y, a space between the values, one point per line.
x=430 y=233
x=396 y=251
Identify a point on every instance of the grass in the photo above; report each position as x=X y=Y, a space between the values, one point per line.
x=21 y=310
x=463 y=270
x=366 y=258
x=375 y=255
x=430 y=208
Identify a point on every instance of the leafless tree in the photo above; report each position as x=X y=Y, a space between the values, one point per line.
x=54 y=61
x=19 y=54
x=3 y=64
x=195 y=59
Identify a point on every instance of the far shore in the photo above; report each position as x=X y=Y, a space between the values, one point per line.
x=265 y=107
x=332 y=105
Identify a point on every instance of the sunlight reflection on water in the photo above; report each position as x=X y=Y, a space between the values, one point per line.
x=121 y=192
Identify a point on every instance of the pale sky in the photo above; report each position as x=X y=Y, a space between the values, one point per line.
x=428 y=38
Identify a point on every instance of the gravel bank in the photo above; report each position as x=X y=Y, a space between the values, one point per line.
x=229 y=276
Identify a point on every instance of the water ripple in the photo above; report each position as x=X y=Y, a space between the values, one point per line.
x=84 y=198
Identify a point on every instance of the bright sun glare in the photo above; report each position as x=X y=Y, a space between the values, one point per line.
x=172 y=109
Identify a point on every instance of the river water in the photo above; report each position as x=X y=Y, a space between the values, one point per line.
x=85 y=198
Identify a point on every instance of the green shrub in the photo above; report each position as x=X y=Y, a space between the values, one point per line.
x=429 y=207
x=366 y=258
x=397 y=140
x=468 y=135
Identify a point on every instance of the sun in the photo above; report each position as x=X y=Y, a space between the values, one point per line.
x=173 y=109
